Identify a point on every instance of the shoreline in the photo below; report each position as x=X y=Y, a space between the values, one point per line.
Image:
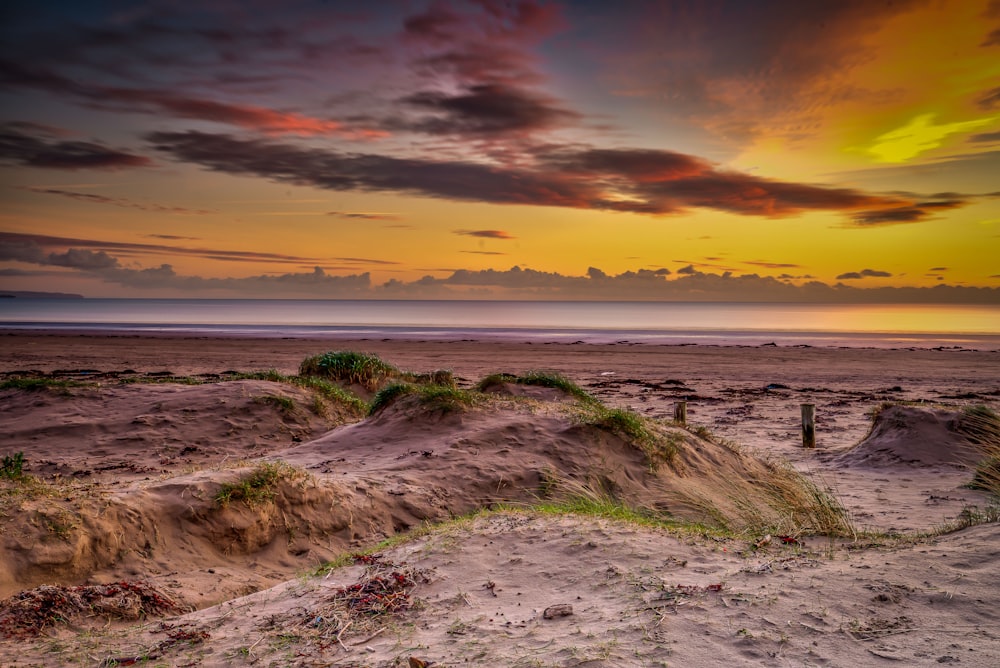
x=676 y=339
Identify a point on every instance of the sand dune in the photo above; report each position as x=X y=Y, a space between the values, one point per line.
x=131 y=476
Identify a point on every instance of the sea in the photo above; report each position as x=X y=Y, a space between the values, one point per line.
x=671 y=323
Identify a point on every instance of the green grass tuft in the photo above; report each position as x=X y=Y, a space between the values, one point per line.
x=659 y=446
x=335 y=393
x=347 y=366
x=434 y=397
x=12 y=466
x=388 y=395
x=558 y=381
x=259 y=486
x=319 y=386
x=36 y=384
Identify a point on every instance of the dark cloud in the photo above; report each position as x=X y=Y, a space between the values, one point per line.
x=771 y=265
x=904 y=214
x=456 y=180
x=168 y=103
x=668 y=182
x=316 y=282
x=355 y=215
x=82 y=259
x=989 y=100
x=938 y=269
x=479 y=252
x=28 y=248
x=101 y=265
x=485 y=234
x=487 y=109
x=122 y=202
x=525 y=21
x=18 y=148
x=477 y=59
x=992 y=39
x=864 y=273
x=439 y=23
x=215 y=42
x=652 y=182
x=985 y=137
x=269 y=121
x=35 y=129
x=692 y=285
x=474 y=64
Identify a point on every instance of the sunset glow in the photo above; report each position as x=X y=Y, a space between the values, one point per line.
x=693 y=151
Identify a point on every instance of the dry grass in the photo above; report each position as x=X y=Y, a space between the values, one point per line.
x=981 y=427
x=779 y=500
x=30 y=612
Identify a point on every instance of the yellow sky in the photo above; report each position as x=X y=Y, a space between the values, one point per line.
x=828 y=143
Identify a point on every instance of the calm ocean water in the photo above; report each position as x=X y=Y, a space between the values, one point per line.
x=879 y=325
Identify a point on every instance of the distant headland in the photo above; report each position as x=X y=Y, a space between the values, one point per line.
x=27 y=294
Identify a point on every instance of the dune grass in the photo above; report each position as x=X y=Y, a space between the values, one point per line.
x=319 y=386
x=34 y=384
x=659 y=446
x=434 y=397
x=259 y=486
x=778 y=500
x=539 y=379
x=348 y=366
x=981 y=427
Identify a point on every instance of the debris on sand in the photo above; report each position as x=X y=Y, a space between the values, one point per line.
x=30 y=612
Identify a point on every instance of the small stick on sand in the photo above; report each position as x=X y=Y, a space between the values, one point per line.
x=370 y=638
x=341 y=632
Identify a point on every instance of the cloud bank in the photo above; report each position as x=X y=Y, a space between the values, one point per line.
x=687 y=284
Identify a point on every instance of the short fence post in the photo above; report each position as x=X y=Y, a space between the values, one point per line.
x=808 y=425
x=681 y=412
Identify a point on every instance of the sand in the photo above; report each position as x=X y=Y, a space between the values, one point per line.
x=136 y=467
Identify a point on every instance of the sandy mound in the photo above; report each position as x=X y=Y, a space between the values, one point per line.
x=416 y=460
x=126 y=431
x=913 y=436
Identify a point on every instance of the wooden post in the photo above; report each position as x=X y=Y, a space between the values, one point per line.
x=681 y=412
x=808 y=425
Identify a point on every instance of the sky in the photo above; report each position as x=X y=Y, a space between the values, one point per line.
x=698 y=150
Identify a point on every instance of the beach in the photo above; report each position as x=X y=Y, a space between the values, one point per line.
x=140 y=432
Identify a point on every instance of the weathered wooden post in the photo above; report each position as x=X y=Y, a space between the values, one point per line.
x=681 y=412
x=808 y=425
